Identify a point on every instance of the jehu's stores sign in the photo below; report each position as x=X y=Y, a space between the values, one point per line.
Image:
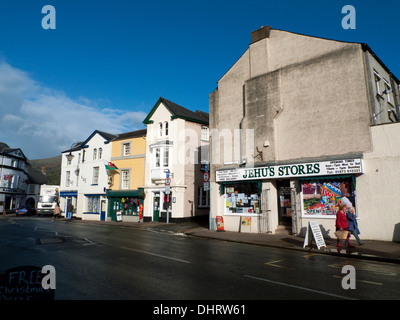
x=310 y=169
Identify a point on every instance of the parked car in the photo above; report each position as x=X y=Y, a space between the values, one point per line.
x=25 y=210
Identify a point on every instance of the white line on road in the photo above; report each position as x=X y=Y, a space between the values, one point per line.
x=298 y=287
x=155 y=254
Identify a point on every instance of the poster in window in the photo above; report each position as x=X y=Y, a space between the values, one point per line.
x=322 y=198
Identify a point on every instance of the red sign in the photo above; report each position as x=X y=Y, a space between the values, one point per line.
x=220 y=223
x=167 y=181
x=206 y=176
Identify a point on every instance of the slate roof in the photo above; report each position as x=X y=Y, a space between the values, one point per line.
x=178 y=112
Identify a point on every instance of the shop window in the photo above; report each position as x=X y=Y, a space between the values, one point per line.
x=128 y=206
x=93 y=204
x=321 y=197
x=243 y=199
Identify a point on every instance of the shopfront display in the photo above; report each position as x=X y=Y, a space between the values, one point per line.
x=128 y=204
x=321 y=197
x=242 y=198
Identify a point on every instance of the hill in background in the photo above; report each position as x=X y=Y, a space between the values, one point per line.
x=51 y=166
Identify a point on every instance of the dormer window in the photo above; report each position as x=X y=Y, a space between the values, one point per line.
x=166 y=128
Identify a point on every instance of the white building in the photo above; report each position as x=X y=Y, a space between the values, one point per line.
x=177 y=144
x=13 y=177
x=84 y=178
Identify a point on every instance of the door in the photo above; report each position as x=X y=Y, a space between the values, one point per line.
x=103 y=210
x=156 y=206
x=284 y=202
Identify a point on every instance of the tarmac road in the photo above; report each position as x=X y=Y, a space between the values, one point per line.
x=114 y=262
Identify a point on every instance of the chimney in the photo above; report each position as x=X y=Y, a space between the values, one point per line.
x=260 y=34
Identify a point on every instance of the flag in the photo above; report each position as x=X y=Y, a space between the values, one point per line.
x=111 y=166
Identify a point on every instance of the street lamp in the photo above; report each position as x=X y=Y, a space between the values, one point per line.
x=70 y=156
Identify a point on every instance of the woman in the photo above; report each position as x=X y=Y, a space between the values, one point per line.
x=341 y=224
x=353 y=225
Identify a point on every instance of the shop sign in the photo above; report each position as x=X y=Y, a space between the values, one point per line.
x=314 y=232
x=310 y=169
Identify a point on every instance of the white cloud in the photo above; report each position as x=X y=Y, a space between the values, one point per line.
x=43 y=122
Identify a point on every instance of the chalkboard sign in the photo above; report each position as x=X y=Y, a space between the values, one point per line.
x=314 y=231
x=24 y=283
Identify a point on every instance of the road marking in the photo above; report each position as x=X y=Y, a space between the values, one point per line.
x=90 y=242
x=298 y=287
x=155 y=254
x=273 y=264
x=365 y=281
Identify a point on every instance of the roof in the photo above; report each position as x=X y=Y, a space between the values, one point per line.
x=132 y=134
x=178 y=112
x=37 y=177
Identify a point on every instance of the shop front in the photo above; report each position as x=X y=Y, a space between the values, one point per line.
x=125 y=205
x=286 y=195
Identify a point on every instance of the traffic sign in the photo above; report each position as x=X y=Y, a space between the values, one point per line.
x=206 y=176
x=167 y=181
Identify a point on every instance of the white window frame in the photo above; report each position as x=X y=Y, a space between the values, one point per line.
x=125 y=179
x=126 y=149
x=205 y=133
x=203 y=195
x=96 y=173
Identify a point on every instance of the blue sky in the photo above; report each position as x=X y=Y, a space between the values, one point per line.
x=107 y=62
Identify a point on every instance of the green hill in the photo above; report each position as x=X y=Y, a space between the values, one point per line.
x=51 y=166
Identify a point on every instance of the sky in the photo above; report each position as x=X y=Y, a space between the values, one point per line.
x=106 y=63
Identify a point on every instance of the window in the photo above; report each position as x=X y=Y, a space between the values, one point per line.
x=160 y=132
x=125 y=182
x=388 y=91
x=126 y=149
x=157 y=157
x=166 y=128
x=93 y=204
x=203 y=198
x=95 y=175
x=94 y=153
x=321 y=197
x=100 y=152
x=377 y=81
x=205 y=135
x=67 y=178
x=243 y=198
x=166 y=157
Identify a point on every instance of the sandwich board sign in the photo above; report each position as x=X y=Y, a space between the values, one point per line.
x=314 y=232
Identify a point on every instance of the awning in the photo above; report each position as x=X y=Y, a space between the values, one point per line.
x=125 y=193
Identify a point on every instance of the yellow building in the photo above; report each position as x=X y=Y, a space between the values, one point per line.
x=126 y=176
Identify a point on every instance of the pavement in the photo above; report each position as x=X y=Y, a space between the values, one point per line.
x=386 y=251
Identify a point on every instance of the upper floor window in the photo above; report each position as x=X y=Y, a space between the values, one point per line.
x=126 y=149
x=163 y=129
x=377 y=82
x=166 y=128
x=100 y=152
x=94 y=153
x=95 y=179
x=205 y=135
x=125 y=183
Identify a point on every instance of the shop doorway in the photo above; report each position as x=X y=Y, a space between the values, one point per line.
x=156 y=206
x=284 y=203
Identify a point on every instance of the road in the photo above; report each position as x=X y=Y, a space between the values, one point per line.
x=117 y=263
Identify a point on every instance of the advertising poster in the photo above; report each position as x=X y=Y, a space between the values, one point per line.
x=322 y=197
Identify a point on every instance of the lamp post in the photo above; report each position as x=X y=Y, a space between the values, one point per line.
x=167 y=190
